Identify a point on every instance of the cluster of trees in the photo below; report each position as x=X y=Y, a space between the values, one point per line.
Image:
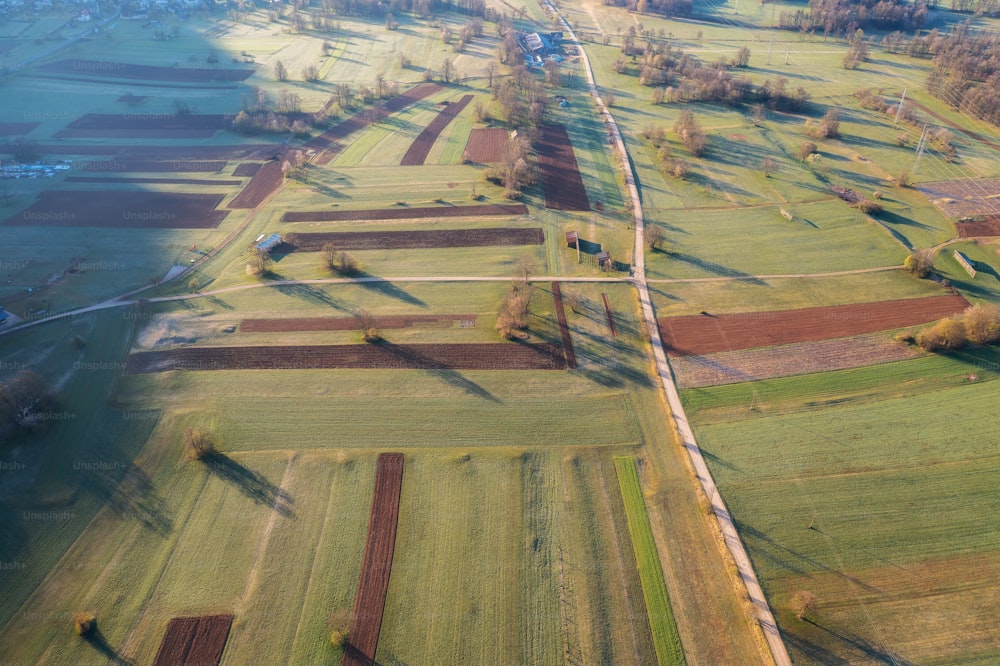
x=667 y=8
x=517 y=169
x=283 y=114
x=843 y=17
x=339 y=261
x=966 y=72
x=681 y=77
x=979 y=325
x=23 y=398
x=513 y=314
x=674 y=166
x=688 y=130
x=423 y=8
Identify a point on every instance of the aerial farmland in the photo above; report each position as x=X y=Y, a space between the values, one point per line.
x=499 y=333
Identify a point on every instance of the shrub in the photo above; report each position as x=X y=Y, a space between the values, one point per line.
x=982 y=324
x=945 y=335
x=370 y=331
x=869 y=207
x=84 y=623
x=806 y=149
x=920 y=263
x=339 y=638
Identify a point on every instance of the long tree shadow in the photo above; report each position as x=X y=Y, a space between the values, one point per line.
x=131 y=497
x=434 y=367
x=309 y=293
x=812 y=651
x=96 y=640
x=387 y=288
x=713 y=267
x=250 y=483
x=746 y=530
x=870 y=650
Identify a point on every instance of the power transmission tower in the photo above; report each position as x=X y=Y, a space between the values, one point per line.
x=899 y=110
x=920 y=149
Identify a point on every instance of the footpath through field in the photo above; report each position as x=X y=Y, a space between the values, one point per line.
x=732 y=539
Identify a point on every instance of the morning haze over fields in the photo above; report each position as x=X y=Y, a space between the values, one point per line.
x=488 y=332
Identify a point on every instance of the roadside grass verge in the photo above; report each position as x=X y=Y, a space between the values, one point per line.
x=666 y=639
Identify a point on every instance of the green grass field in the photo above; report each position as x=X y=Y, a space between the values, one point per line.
x=524 y=533
x=654 y=590
x=876 y=479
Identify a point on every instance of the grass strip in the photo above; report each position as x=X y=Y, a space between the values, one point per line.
x=666 y=639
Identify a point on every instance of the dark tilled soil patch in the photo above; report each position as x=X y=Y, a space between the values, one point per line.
x=247 y=169
x=191 y=641
x=154 y=181
x=353 y=323
x=376 y=563
x=14 y=129
x=987 y=227
x=706 y=334
x=457 y=356
x=404 y=213
x=265 y=182
x=560 y=173
x=120 y=70
x=382 y=240
x=135 y=166
x=487 y=145
x=143 y=210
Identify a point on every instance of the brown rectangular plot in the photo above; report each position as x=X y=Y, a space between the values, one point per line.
x=140 y=166
x=13 y=129
x=487 y=145
x=433 y=238
x=560 y=173
x=384 y=356
x=121 y=70
x=346 y=323
x=264 y=183
x=153 y=181
x=376 y=563
x=194 y=640
x=132 y=209
x=373 y=214
x=706 y=334
x=247 y=169
x=567 y=341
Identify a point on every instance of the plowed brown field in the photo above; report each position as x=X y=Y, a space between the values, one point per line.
x=13 y=129
x=134 y=166
x=561 y=179
x=404 y=213
x=395 y=240
x=453 y=356
x=121 y=70
x=987 y=227
x=376 y=563
x=352 y=323
x=706 y=334
x=144 y=125
x=194 y=640
x=264 y=183
x=145 y=210
x=487 y=145
x=422 y=145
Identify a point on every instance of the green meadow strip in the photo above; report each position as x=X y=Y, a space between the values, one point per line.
x=666 y=639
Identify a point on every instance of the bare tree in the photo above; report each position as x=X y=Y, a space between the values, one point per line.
x=280 y=71
x=768 y=166
x=447 y=70
x=803 y=602
x=652 y=235
x=198 y=444
x=370 y=330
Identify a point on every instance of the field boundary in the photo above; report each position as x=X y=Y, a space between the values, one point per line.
x=421 y=146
